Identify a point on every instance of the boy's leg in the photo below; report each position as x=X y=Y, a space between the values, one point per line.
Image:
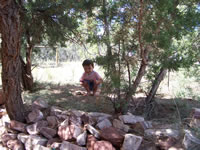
x=86 y=86
x=95 y=88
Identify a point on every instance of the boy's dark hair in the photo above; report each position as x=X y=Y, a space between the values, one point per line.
x=88 y=62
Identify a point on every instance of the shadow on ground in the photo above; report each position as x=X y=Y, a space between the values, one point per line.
x=65 y=96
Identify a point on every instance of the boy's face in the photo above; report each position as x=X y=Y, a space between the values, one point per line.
x=88 y=69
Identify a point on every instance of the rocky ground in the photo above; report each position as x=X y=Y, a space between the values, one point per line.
x=53 y=128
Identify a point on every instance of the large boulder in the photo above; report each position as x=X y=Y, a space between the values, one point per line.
x=131 y=142
x=69 y=146
x=112 y=135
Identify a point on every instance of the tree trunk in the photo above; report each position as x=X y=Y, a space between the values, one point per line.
x=11 y=66
x=154 y=88
x=27 y=77
x=139 y=76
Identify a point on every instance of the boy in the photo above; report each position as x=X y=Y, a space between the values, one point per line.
x=90 y=79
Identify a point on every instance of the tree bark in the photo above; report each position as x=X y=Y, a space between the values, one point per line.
x=27 y=77
x=11 y=66
x=154 y=88
x=140 y=74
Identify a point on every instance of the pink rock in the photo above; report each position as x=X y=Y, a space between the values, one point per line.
x=52 y=121
x=18 y=126
x=69 y=132
x=112 y=135
x=91 y=140
x=35 y=116
x=48 y=132
x=103 y=145
x=15 y=145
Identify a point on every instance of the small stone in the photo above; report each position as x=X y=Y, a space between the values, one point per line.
x=15 y=145
x=81 y=139
x=112 y=135
x=48 y=132
x=131 y=119
x=8 y=136
x=69 y=132
x=40 y=104
x=104 y=124
x=120 y=125
x=103 y=145
x=18 y=126
x=68 y=146
x=131 y=142
x=35 y=116
x=32 y=129
x=55 y=146
x=93 y=131
x=52 y=121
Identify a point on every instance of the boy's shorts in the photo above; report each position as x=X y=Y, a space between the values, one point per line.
x=90 y=84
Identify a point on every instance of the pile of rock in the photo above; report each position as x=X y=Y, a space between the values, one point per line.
x=54 y=128
x=50 y=127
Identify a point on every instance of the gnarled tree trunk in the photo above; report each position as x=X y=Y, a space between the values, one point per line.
x=11 y=66
x=27 y=77
x=154 y=88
